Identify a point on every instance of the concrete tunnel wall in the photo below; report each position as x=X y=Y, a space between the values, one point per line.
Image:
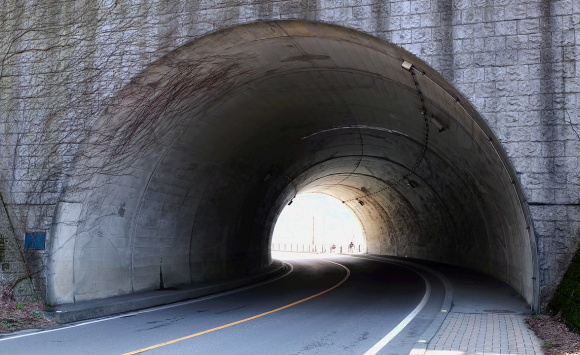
x=208 y=144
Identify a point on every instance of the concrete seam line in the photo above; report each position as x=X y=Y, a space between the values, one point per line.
x=393 y=333
x=430 y=332
x=246 y=319
x=156 y=308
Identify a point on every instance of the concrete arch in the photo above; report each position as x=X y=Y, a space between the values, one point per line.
x=205 y=148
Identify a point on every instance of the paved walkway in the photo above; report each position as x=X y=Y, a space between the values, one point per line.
x=485 y=317
x=74 y=312
x=475 y=333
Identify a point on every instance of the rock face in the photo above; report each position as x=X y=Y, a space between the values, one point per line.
x=161 y=139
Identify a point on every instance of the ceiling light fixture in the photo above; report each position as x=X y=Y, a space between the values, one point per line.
x=412 y=184
x=407 y=65
x=437 y=124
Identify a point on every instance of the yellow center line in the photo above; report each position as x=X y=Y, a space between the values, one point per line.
x=246 y=319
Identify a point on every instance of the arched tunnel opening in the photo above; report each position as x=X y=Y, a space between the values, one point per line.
x=318 y=223
x=208 y=145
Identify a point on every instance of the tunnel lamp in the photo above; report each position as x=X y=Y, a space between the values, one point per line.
x=407 y=66
x=437 y=124
x=412 y=184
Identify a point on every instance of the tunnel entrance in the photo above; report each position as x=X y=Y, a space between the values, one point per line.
x=318 y=223
x=221 y=134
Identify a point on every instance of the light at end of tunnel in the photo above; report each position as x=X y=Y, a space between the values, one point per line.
x=437 y=124
x=407 y=66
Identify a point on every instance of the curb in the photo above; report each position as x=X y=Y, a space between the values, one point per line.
x=420 y=347
x=74 y=312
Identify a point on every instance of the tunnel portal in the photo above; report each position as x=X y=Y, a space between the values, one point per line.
x=225 y=131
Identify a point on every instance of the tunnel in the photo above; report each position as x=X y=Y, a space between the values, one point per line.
x=183 y=176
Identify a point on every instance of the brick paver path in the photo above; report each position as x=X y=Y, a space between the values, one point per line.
x=477 y=333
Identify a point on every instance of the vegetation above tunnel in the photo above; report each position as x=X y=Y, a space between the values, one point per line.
x=566 y=300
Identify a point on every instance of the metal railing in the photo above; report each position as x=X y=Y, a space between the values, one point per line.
x=320 y=248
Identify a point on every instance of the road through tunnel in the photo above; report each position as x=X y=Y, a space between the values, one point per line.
x=216 y=138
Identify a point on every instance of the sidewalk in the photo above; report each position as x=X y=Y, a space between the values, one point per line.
x=476 y=333
x=74 y=312
x=486 y=317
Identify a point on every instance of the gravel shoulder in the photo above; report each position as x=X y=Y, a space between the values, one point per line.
x=556 y=338
x=18 y=316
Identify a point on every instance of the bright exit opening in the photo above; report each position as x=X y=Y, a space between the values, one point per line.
x=320 y=224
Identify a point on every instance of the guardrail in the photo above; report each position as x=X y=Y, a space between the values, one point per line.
x=320 y=248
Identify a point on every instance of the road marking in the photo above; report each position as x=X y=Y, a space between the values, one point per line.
x=153 y=309
x=246 y=319
x=393 y=333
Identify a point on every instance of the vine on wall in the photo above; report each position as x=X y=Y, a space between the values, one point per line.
x=67 y=121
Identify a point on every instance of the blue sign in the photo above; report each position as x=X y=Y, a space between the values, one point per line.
x=34 y=240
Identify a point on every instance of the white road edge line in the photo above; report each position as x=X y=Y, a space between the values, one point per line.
x=393 y=333
x=153 y=309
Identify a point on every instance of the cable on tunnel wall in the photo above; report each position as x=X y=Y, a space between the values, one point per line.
x=277 y=170
x=360 y=157
x=519 y=194
x=362 y=148
x=411 y=69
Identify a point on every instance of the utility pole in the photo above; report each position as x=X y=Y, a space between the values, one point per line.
x=312 y=230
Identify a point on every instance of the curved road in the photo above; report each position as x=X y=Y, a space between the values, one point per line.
x=339 y=305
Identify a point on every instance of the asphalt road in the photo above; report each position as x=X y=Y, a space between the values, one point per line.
x=338 y=305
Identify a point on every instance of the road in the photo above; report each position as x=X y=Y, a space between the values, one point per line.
x=337 y=305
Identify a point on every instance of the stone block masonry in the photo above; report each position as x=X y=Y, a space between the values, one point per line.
x=22 y=271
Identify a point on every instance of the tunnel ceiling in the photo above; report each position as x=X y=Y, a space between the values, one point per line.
x=262 y=112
